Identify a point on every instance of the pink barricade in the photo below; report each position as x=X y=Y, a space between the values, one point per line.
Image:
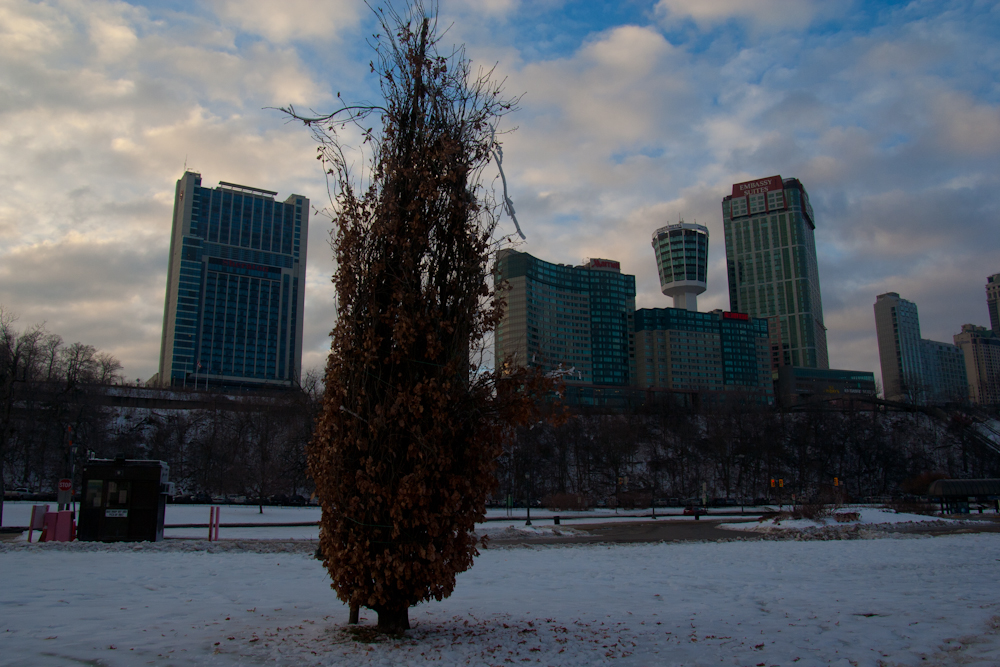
x=58 y=527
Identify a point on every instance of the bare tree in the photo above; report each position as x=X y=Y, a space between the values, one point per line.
x=17 y=349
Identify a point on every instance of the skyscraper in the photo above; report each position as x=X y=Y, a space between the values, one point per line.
x=771 y=264
x=682 y=262
x=993 y=301
x=897 y=327
x=569 y=317
x=915 y=369
x=235 y=288
x=981 y=348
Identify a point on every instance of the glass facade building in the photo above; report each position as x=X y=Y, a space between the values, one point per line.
x=567 y=317
x=944 y=372
x=681 y=350
x=771 y=264
x=235 y=288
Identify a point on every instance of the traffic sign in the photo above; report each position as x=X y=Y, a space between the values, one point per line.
x=65 y=485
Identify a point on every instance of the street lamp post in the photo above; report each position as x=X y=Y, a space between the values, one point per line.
x=527 y=476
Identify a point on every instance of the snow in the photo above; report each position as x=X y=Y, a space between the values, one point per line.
x=892 y=601
x=867 y=516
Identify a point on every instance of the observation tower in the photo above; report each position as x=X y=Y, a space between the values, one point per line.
x=682 y=262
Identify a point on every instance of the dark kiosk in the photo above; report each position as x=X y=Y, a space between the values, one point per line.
x=124 y=500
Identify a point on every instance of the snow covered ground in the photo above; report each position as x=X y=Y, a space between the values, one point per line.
x=880 y=602
x=867 y=516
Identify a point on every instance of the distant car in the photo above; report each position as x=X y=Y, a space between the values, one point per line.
x=694 y=510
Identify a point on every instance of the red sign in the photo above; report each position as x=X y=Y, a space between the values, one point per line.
x=605 y=264
x=758 y=186
x=735 y=316
x=65 y=485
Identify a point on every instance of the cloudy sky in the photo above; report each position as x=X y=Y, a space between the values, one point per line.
x=635 y=113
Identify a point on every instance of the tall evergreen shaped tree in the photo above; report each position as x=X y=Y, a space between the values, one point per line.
x=405 y=448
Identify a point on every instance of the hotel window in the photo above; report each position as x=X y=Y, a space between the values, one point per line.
x=739 y=206
x=775 y=200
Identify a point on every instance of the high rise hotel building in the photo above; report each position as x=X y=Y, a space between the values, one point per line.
x=771 y=265
x=235 y=288
x=562 y=317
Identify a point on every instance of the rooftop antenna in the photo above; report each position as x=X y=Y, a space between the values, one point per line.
x=508 y=205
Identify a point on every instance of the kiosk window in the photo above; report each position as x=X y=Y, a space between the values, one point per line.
x=94 y=489
x=118 y=494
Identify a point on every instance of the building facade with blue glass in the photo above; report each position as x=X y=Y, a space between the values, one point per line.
x=235 y=288
x=682 y=350
x=562 y=317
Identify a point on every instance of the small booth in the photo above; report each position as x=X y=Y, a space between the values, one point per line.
x=955 y=494
x=124 y=500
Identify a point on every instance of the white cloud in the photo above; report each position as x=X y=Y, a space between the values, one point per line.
x=760 y=13
x=292 y=20
x=492 y=8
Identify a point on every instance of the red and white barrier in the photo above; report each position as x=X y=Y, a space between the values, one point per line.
x=213 y=523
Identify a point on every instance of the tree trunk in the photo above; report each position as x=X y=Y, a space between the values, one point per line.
x=355 y=614
x=393 y=620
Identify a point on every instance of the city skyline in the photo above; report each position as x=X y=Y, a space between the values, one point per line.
x=634 y=116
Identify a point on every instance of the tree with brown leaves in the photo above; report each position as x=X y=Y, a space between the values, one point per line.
x=406 y=445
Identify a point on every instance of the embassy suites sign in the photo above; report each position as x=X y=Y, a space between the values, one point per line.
x=759 y=186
